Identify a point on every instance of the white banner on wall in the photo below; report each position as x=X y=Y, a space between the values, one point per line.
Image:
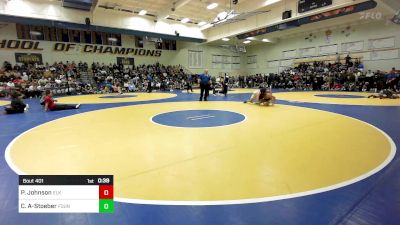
x=355 y=46
x=251 y=59
x=236 y=66
x=225 y=62
x=235 y=62
x=252 y=66
x=386 y=54
x=289 y=54
x=328 y=49
x=273 y=64
x=382 y=43
x=216 y=58
x=312 y=51
x=286 y=63
x=236 y=59
x=216 y=65
x=195 y=59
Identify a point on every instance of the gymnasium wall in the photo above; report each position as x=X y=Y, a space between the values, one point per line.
x=273 y=57
x=76 y=53
x=268 y=57
x=207 y=52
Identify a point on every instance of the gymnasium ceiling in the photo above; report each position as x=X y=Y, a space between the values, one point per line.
x=195 y=10
x=383 y=13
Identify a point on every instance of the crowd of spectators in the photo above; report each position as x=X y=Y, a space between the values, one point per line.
x=33 y=79
x=325 y=76
x=140 y=78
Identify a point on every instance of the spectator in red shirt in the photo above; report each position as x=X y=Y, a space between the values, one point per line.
x=50 y=105
x=17 y=81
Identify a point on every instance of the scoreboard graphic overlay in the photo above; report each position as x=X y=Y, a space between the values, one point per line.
x=66 y=194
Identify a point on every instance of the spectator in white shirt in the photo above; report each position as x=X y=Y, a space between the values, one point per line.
x=10 y=84
x=25 y=77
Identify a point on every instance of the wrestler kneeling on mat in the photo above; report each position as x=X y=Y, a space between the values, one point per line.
x=17 y=105
x=50 y=105
x=262 y=97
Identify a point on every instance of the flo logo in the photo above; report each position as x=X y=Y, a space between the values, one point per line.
x=371 y=16
x=379 y=16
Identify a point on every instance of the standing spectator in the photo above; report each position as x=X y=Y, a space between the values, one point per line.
x=189 y=83
x=149 y=83
x=337 y=58
x=392 y=79
x=348 y=60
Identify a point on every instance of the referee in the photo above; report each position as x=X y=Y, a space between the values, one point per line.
x=205 y=80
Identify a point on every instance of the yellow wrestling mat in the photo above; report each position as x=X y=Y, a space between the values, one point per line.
x=233 y=91
x=3 y=103
x=113 y=98
x=274 y=151
x=341 y=98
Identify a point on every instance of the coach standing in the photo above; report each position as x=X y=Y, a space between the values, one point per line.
x=205 y=80
x=149 y=83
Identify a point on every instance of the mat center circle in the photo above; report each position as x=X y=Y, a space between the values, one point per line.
x=198 y=118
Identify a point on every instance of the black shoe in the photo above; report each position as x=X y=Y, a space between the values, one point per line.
x=245 y=102
x=200 y=100
x=205 y=100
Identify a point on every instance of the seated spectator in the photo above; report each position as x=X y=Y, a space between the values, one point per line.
x=2 y=90
x=10 y=85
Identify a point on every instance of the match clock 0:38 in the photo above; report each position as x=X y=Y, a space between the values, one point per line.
x=103 y=180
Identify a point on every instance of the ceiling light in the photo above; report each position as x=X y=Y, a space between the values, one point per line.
x=206 y=26
x=185 y=20
x=212 y=5
x=35 y=33
x=270 y=2
x=266 y=40
x=142 y=12
x=225 y=39
x=222 y=15
x=251 y=38
x=202 y=23
x=112 y=39
x=246 y=42
x=230 y=16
